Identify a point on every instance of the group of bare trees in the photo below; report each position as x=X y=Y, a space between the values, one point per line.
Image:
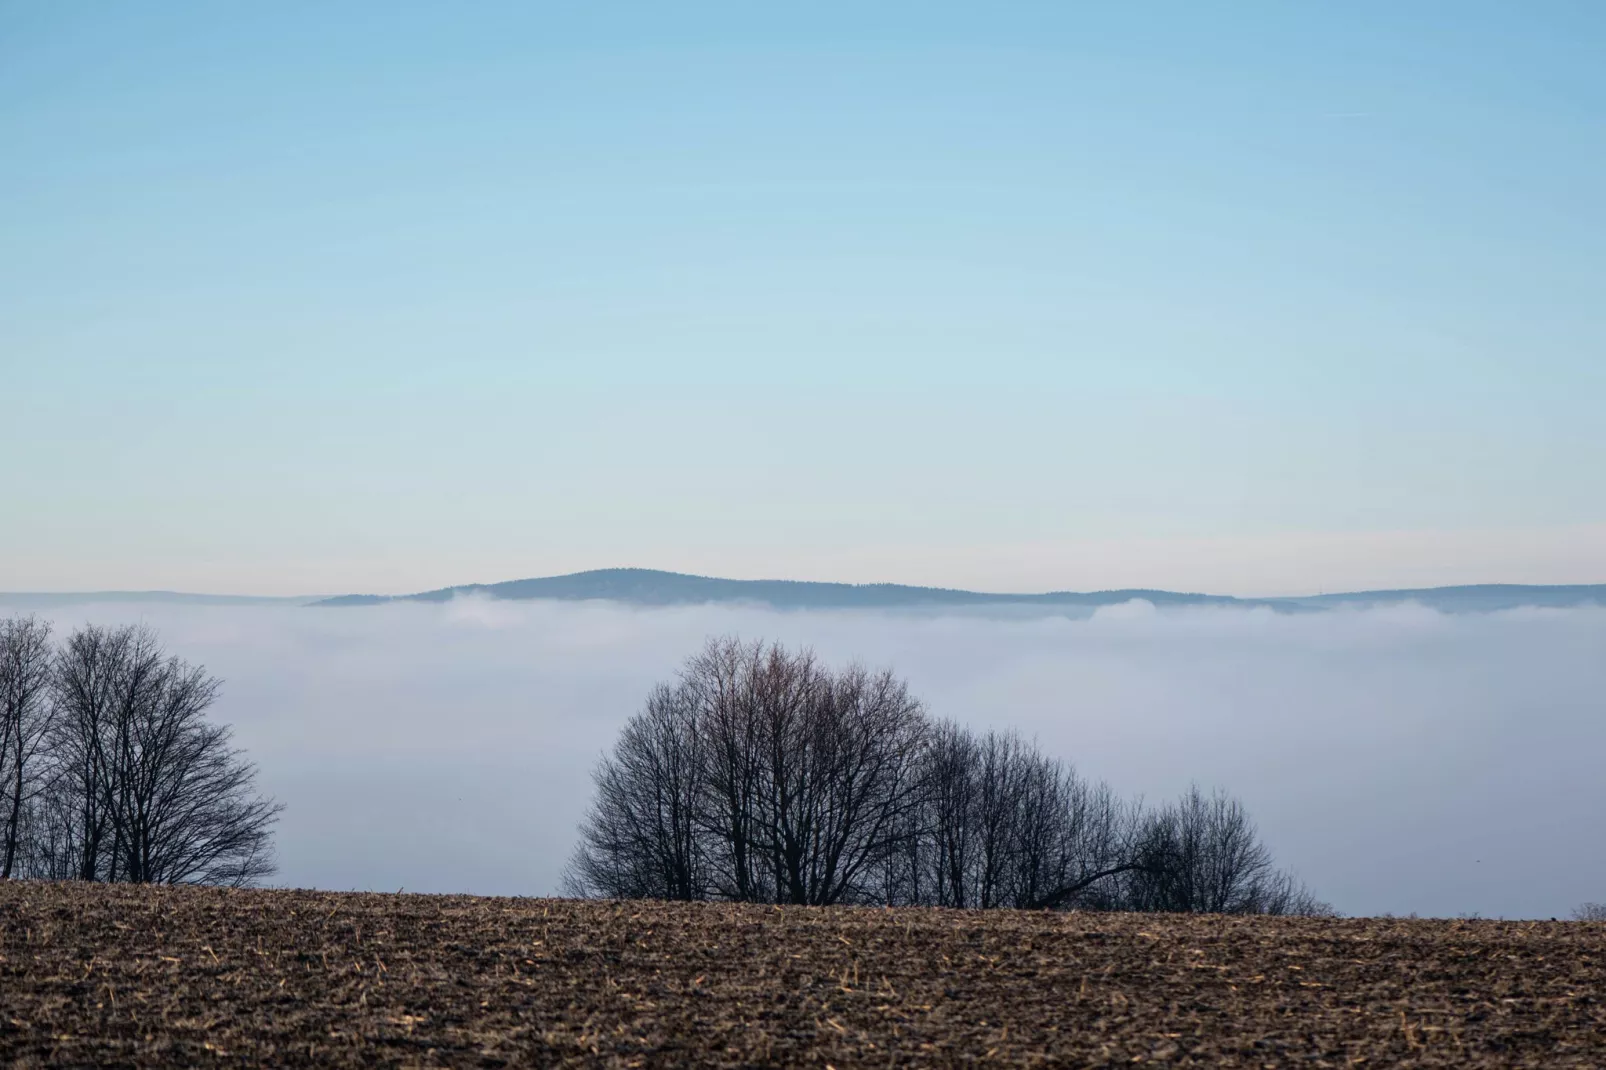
x=111 y=769
x=761 y=775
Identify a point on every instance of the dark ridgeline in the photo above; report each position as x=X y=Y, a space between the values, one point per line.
x=761 y=775
x=112 y=770
x=651 y=587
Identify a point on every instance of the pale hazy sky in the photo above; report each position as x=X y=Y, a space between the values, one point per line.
x=300 y=297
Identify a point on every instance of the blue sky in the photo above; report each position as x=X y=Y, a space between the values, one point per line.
x=307 y=298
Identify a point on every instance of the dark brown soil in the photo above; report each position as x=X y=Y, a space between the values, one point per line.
x=120 y=976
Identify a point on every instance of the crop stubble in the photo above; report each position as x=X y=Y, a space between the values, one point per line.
x=132 y=976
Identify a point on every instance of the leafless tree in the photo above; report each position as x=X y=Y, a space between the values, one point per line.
x=99 y=672
x=759 y=776
x=844 y=775
x=143 y=788
x=948 y=854
x=641 y=839
x=1074 y=839
x=26 y=659
x=1202 y=854
x=748 y=697
x=1009 y=826
x=1590 y=912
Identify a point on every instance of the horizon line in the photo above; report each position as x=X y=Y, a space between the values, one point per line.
x=884 y=584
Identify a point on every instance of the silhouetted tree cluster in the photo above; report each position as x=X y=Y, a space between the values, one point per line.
x=111 y=770
x=761 y=775
x=1202 y=855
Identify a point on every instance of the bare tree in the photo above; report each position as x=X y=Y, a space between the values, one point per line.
x=1075 y=839
x=1283 y=893
x=26 y=658
x=1590 y=912
x=949 y=847
x=845 y=779
x=759 y=776
x=640 y=839
x=185 y=810
x=1202 y=854
x=143 y=787
x=747 y=696
x=97 y=671
x=1009 y=826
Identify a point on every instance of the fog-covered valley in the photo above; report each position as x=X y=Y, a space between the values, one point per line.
x=1398 y=759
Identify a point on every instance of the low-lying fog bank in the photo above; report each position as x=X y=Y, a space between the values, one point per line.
x=1400 y=760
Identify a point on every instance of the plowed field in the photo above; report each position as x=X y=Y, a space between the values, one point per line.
x=119 y=976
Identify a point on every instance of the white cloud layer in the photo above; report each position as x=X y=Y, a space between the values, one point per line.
x=1398 y=759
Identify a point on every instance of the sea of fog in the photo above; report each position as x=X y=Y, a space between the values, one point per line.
x=1399 y=760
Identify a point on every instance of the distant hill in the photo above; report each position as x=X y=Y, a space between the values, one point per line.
x=650 y=587
x=1476 y=598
